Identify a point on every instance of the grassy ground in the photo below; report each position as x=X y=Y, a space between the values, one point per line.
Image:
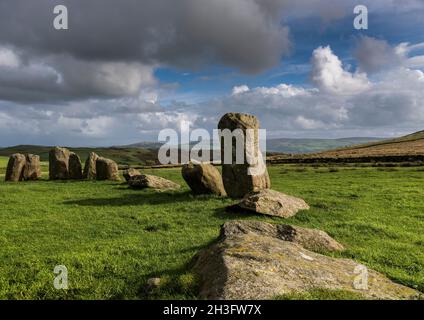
x=113 y=239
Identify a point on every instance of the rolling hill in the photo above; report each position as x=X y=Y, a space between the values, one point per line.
x=406 y=148
x=124 y=155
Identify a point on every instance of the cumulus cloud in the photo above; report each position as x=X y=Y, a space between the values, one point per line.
x=328 y=74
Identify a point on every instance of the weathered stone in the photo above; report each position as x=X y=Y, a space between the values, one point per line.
x=256 y=265
x=311 y=239
x=273 y=203
x=240 y=179
x=32 y=168
x=131 y=172
x=90 y=166
x=203 y=178
x=148 y=181
x=59 y=163
x=15 y=167
x=107 y=169
x=75 y=168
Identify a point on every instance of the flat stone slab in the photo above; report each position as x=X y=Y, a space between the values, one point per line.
x=144 y=181
x=271 y=202
x=250 y=264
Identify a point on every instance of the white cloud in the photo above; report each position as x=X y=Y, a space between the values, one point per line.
x=240 y=89
x=8 y=58
x=328 y=74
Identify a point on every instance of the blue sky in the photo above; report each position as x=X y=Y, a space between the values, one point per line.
x=120 y=76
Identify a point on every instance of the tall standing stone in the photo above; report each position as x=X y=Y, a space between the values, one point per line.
x=90 y=166
x=75 y=168
x=32 y=169
x=240 y=179
x=59 y=163
x=107 y=169
x=15 y=167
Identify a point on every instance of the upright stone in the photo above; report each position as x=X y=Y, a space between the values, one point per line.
x=90 y=166
x=242 y=178
x=59 y=163
x=15 y=167
x=203 y=178
x=32 y=169
x=107 y=169
x=75 y=168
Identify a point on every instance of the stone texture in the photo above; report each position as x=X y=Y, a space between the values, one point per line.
x=59 y=163
x=15 y=167
x=236 y=177
x=254 y=265
x=90 y=166
x=273 y=203
x=131 y=172
x=311 y=239
x=203 y=178
x=148 y=181
x=75 y=167
x=107 y=169
x=32 y=168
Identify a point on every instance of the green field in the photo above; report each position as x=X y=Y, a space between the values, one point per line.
x=112 y=239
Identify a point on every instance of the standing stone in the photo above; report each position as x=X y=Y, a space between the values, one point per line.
x=75 y=168
x=90 y=166
x=203 y=178
x=15 y=167
x=237 y=180
x=107 y=169
x=59 y=163
x=32 y=169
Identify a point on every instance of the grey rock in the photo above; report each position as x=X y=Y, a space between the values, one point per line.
x=255 y=265
x=273 y=203
x=107 y=169
x=237 y=180
x=149 y=181
x=15 y=167
x=59 y=163
x=203 y=178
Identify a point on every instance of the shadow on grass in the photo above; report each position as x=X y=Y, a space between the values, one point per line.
x=148 y=197
x=142 y=198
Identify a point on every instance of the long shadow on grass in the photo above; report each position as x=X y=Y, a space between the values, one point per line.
x=142 y=198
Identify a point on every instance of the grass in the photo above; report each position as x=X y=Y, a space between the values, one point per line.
x=112 y=239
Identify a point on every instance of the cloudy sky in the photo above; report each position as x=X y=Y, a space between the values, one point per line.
x=126 y=69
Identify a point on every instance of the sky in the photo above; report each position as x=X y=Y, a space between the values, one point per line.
x=125 y=70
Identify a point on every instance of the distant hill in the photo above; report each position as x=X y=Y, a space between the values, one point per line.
x=122 y=155
x=411 y=144
x=300 y=146
x=406 y=148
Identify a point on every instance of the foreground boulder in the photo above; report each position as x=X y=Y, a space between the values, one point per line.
x=311 y=239
x=107 y=169
x=248 y=263
x=240 y=179
x=148 y=181
x=203 y=178
x=131 y=172
x=90 y=166
x=32 y=168
x=273 y=203
x=15 y=167
x=59 y=163
x=75 y=168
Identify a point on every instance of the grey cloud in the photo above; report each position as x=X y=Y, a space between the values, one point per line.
x=374 y=55
x=242 y=33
